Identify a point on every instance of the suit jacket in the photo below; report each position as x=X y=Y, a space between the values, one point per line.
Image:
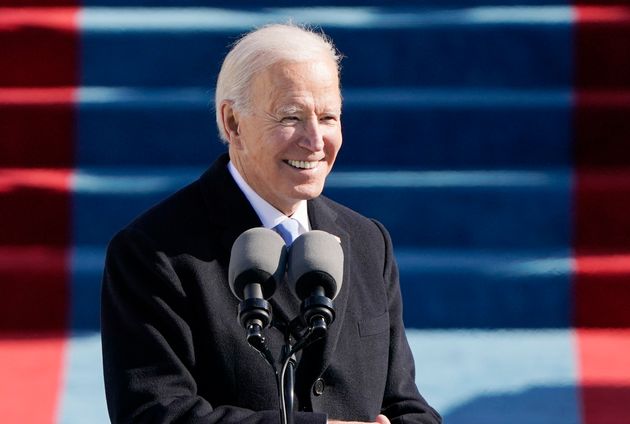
x=173 y=350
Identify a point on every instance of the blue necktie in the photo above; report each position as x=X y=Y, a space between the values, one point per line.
x=288 y=230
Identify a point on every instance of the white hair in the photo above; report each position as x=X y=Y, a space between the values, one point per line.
x=257 y=51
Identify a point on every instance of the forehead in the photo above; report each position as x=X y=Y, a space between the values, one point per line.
x=314 y=83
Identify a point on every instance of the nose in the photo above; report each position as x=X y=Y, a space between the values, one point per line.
x=313 y=138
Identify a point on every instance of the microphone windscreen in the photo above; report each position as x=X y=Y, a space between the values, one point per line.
x=315 y=260
x=258 y=256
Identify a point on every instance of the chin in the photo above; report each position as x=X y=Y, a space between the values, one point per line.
x=308 y=193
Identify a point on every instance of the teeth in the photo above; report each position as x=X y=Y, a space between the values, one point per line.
x=302 y=164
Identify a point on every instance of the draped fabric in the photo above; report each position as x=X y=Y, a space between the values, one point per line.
x=490 y=137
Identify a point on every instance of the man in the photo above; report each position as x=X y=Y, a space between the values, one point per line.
x=172 y=347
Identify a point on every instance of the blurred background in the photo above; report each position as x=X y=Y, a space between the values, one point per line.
x=492 y=138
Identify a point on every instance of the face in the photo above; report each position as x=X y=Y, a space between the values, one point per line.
x=286 y=145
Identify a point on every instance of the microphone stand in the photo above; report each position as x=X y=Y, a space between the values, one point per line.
x=254 y=314
x=287 y=379
x=287 y=373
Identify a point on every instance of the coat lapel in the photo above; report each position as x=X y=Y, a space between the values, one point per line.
x=323 y=218
x=228 y=206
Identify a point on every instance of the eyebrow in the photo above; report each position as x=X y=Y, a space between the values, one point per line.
x=289 y=110
x=293 y=109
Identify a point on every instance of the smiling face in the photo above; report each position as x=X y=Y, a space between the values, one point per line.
x=285 y=146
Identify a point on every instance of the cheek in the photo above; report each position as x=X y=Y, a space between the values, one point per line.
x=333 y=142
x=282 y=135
x=276 y=143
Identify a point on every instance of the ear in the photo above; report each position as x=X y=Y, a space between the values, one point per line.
x=229 y=119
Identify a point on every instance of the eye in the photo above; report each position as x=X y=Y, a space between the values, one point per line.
x=329 y=119
x=290 y=119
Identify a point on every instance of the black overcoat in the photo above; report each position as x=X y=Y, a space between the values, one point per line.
x=173 y=350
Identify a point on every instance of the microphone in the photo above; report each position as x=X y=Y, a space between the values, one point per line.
x=315 y=275
x=257 y=263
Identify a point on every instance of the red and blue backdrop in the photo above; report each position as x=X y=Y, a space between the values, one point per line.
x=492 y=137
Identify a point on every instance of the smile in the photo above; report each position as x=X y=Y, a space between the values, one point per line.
x=302 y=164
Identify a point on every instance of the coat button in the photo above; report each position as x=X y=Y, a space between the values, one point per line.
x=318 y=387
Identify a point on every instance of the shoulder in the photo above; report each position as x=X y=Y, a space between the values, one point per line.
x=190 y=211
x=176 y=217
x=359 y=227
x=173 y=215
x=186 y=202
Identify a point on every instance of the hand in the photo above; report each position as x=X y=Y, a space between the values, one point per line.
x=381 y=419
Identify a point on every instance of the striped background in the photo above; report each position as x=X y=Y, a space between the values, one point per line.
x=501 y=128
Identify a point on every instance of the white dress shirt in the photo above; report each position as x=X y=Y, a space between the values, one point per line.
x=269 y=215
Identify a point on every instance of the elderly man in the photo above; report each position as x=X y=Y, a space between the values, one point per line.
x=172 y=347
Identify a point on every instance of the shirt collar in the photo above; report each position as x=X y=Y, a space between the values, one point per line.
x=269 y=215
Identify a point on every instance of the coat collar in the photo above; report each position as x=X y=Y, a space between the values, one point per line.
x=227 y=206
